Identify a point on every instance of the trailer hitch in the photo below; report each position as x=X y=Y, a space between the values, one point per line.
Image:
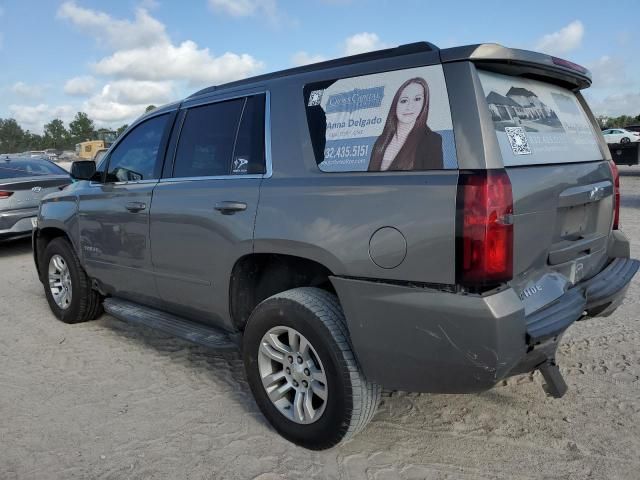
x=554 y=385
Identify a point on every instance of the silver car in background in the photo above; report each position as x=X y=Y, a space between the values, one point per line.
x=24 y=181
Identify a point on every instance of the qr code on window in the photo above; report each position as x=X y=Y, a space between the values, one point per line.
x=315 y=98
x=518 y=140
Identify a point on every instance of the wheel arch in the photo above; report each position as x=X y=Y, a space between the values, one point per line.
x=41 y=238
x=257 y=276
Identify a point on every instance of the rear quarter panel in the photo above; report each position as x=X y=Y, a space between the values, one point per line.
x=330 y=217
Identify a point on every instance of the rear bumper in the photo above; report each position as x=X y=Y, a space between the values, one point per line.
x=422 y=340
x=16 y=223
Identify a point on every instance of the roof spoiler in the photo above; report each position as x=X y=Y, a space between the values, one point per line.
x=524 y=63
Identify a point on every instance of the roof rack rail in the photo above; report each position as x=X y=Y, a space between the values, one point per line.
x=407 y=49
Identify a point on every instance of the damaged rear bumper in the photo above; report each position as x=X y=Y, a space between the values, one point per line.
x=423 y=340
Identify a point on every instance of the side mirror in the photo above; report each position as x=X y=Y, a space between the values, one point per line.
x=83 y=169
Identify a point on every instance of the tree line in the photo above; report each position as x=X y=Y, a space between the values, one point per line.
x=15 y=139
x=618 y=122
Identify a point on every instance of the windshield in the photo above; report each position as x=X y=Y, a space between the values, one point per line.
x=28 y=168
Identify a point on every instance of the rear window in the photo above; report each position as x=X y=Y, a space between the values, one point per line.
x=538 y=123
x=398 y=120
x=28 y=168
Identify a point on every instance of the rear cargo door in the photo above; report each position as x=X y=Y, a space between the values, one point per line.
x=562 y=186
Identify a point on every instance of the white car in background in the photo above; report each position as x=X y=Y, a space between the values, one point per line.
x=620 y=135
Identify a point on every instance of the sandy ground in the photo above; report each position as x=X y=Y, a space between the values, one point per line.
x=106 y=400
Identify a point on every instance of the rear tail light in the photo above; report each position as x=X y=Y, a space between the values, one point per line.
x=4 y=194
x=616 y=194
x=485 y=228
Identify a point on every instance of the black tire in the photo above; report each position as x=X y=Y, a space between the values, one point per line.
x=86 y=303
x=625 y=140
x=352 y=400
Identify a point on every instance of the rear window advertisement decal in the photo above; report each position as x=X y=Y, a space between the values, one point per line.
x=396 y=120
x=537 y=122
x=518 y=140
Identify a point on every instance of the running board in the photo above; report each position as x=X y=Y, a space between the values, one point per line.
x=203 y=335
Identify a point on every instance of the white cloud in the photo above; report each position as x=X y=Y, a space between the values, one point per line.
x=616 y=105
x=123 y=100
x=566 y=39
x=246 y=8
x=136 y=92
x=304 y=58
x=183 y=62
x=249 y=8
x=608 y=72
x=34 y=117
x=144 y=31
x=80 y=86
x=361 y=43
x=235 y=8
x=143 y=51
x=28 y=91
x=149 y=4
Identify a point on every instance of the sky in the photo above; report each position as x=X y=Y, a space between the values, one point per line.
x=112 y=59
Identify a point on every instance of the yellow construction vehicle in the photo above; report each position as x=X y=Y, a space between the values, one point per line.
x=87 y=150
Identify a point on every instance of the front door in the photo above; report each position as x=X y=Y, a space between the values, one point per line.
x=114 y=213
x=202 y=216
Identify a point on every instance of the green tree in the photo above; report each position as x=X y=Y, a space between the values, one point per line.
x=12 y=136
x=82 y=127
x=149 y=108
x=33 y=141
x=121 y=130
x=55 y=134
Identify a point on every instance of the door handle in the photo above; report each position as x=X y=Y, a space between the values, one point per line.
x=229 y=208
x=135 y=206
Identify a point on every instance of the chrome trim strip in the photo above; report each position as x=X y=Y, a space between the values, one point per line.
x=215 y=177
x=267 y=136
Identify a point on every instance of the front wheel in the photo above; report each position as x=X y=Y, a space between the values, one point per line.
x=302 y=370
x=625 y=140
x=66 y=285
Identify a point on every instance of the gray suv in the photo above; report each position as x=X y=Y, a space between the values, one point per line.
x=414 y=218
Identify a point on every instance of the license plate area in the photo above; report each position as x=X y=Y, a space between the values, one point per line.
x=575 y=222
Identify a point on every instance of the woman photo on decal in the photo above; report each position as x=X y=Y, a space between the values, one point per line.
x=406 y=142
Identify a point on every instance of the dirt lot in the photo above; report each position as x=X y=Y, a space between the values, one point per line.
x=106 y=400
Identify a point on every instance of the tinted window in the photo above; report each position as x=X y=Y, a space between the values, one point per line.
x=207 y=138
x=248 y=155
x=136 y=156
x=399 y=120
x=28 y=168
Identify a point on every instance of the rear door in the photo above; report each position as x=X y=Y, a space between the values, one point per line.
x=562 y=184
x=203 y=212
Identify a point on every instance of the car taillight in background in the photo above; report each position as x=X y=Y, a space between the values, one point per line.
x=616 y=195
x=484 y=253
x=4 y=194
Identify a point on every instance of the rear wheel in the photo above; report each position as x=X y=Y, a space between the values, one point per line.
x=66 y=285
x=302 y=370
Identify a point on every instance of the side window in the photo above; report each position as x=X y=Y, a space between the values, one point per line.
x=398 y=120
x=207 y=139
x=248 y=154
x=136 y=156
